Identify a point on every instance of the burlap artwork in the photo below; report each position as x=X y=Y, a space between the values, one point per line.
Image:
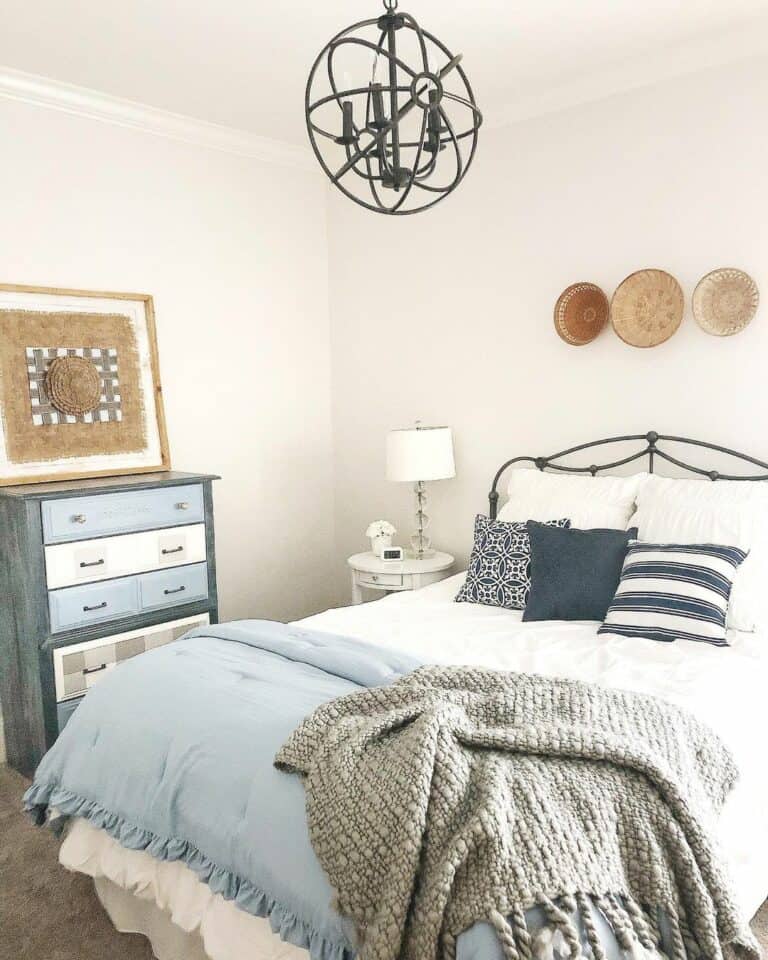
x=64 y=437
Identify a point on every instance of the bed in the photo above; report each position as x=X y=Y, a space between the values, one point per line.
x=184 y=917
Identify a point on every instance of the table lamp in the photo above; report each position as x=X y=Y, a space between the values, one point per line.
x=415 y=455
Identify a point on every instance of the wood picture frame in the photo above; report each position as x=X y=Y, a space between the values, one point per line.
x=127 y=436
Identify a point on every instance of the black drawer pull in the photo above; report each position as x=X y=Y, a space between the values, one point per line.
x=92 y=563
x=99 y=606
x=177 y=590
x=174 y=550
x=94 y=669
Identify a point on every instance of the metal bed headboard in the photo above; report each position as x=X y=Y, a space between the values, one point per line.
x=650 y=450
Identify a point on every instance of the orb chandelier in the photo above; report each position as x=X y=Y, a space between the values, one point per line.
x=402 y=137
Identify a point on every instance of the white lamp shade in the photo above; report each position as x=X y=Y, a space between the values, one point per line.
x=424 y=453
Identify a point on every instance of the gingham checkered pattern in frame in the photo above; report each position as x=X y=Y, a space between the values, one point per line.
x=44 y=413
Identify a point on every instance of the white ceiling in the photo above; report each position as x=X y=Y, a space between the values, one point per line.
x=244 y=62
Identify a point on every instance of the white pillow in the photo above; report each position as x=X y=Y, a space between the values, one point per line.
x=587 y=501
x=733 y=513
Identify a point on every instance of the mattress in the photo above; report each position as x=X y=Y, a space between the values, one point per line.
x=430 y=625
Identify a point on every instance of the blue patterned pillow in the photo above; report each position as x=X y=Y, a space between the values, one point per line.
x=499 y=573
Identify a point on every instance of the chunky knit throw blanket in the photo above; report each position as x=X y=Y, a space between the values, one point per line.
x=457 y=795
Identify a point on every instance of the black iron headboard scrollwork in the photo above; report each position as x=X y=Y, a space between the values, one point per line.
x=650 y=450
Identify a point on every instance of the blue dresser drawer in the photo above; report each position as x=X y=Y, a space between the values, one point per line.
x=93 y=603
x=165 y=588
x=79 y=518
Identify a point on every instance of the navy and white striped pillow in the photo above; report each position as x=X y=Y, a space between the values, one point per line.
x=674 y=592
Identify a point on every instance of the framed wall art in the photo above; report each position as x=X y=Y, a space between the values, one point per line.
x=80 y=392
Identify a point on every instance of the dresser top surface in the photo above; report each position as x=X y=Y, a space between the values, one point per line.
x=72 y=488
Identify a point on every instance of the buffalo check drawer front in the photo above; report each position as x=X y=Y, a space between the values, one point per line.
x=81 y=666
x=95 y=571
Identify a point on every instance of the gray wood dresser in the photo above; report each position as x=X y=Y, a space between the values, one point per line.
x=93 y=572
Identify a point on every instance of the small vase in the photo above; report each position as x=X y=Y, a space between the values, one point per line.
x=379 y=544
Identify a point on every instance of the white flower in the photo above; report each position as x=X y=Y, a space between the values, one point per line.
x=380 y=528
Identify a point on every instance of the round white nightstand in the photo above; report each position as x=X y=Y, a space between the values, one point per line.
x=370 y=573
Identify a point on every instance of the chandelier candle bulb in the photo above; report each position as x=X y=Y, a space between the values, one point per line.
x=434 y=127
x=379 y=120
x=348 y=127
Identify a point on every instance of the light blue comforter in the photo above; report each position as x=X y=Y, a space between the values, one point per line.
x=173 y=754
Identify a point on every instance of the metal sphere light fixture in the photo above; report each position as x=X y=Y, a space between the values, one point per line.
x=403 y=137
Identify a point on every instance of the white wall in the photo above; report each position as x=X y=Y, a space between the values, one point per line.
x=447 y=315
x=235 y=253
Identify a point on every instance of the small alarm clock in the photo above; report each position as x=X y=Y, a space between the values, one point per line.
x=392 y=553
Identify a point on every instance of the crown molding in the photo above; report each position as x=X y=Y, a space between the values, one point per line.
x=84 y=102
x=598 y=85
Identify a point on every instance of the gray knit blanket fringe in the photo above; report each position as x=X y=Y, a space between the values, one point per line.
x=459 y=795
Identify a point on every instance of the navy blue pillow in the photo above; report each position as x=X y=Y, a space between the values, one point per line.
x=574 y=573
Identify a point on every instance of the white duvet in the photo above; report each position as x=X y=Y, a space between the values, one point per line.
x=725 y=687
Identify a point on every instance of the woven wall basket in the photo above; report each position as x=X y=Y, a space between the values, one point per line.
x=581 y=312
x=725 y=301
x=73 y=385
x=647 y=308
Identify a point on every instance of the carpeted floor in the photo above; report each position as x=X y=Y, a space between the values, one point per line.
x=47 y=913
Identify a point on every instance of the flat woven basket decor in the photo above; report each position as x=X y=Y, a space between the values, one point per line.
x=647 y=308
x=725 y=301
x=74 y=385
x=581 y=312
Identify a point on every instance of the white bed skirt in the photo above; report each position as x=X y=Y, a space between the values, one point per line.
x=129 y=914
x=166 y=902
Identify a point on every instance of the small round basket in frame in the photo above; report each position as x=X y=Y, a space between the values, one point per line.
x=647 y=308
x=73 y=385
x=581 y=312
x=725 y=301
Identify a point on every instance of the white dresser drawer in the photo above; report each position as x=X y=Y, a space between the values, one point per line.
x=105 y=558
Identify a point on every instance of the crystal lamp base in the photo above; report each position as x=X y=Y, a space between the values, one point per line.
x=421 y=542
